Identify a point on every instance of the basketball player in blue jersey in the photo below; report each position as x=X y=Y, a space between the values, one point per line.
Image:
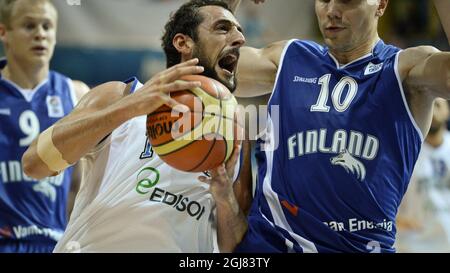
x=32 y=213
x=345 y=126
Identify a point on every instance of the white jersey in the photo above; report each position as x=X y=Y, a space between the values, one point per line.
x=131 y=201
x=426 y=205
x=433 y=164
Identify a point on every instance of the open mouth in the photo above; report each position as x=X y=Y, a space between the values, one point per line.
x=228 y=63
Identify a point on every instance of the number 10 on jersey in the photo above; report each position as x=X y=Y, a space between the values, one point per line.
x=339 y=103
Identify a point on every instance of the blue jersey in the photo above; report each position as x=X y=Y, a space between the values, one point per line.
x=30 y=210
x=337 y=157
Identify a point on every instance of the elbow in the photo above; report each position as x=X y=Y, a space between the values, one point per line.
x=27 y=164
x=31 y=165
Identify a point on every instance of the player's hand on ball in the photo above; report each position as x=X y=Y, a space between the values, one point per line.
x=221 y=180
x=155 y=91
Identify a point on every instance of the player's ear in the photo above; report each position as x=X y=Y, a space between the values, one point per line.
x=382 y=5
x=183 y=43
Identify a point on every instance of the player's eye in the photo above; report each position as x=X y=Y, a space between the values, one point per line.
x=29 y=26
x=223 y=28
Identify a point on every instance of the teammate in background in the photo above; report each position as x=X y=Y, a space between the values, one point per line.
x=336 y=161
x=425 y=210
x=130 y=200
x=32 y=213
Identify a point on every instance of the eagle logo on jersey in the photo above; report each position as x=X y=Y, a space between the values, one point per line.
x=350 y=164
x=46 y=189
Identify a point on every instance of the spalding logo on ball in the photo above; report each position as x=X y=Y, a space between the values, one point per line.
x=202 y=138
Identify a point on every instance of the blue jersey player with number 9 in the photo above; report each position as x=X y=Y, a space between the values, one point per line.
x=32 y=213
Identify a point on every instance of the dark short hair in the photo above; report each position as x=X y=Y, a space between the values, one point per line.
x=185 y=21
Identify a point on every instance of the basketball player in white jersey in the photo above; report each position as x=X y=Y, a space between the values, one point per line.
x=130 y=200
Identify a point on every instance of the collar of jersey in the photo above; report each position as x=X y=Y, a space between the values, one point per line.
x=27 y=94
x=375 y=50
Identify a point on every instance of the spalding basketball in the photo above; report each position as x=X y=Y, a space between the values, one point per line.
x=202 y=138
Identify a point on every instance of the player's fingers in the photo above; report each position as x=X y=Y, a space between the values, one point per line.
x=175 y=105
x=219 y=173
x=191 y=62
x=204 y=179
x=178 y=85
x=176 y=73
x=231 y=163
x=162 y=77
x=186 y=63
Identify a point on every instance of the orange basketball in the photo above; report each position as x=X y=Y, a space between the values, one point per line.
x=202 y=138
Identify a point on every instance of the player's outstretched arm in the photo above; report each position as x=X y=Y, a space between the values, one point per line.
x=234 y=4
x=443 y=8
x=427 y=69
x=257 y=69
x=99 y=112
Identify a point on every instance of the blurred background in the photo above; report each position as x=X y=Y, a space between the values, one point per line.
x=103 y=40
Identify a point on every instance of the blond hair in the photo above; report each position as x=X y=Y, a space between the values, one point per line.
x=6 y=8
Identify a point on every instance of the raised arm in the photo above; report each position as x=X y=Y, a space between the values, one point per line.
x=443 y=9
x=99 y=112
x=234 y=4
x=425 y=75
x=257 y=69
x=427 y=69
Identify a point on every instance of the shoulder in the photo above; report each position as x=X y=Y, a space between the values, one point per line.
x=421 y=50
x=412 y=56
x=59 y=80
x=308 y=45
x=306 y=48
x=103 y=95
x=274 y=51
x=80 y=89
x=271 y=52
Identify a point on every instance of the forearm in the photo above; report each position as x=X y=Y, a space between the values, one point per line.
x=86 y=132
x=443 y=9
x=233 y=4
x=74 y=137
x=231 y=224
